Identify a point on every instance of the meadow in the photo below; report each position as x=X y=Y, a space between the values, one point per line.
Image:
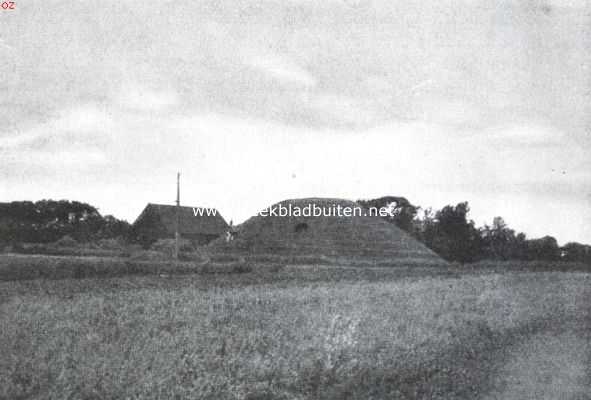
x=299 y=332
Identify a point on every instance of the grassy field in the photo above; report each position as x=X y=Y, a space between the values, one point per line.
x=298 y=333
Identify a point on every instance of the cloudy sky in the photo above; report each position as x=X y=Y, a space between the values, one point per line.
x=258 y=101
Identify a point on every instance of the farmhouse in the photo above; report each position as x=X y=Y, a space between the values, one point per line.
x=354 y=236
x=158 y=221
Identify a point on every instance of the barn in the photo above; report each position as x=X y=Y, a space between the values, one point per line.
x=197 y=224
x=351 y=237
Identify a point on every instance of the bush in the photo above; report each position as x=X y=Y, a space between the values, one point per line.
x=111 y=244
x=66 y=241
x=14 y=248
x=197 y=256
x=167 y=246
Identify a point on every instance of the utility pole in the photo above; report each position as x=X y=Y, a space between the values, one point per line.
x=178 y=216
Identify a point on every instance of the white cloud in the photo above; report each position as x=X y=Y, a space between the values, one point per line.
x=569 y=3
x=4 y=45
x=137 y=97
x=282 y=69
x=80 y=158
x=526 y=134
x=338 y=109
x=80 y=122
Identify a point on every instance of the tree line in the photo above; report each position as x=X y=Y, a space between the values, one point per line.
x=451 y=234
x=47 y=221
x=448 y=231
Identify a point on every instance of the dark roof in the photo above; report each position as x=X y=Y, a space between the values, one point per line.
x=189 y=223
x=355 y=236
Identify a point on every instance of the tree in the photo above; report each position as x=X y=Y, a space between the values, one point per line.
x=452 y=235
x=576 y=252
x=545 y=248
x=500 y=242
x=401 y=211
x=424 y=227
x=48 y=220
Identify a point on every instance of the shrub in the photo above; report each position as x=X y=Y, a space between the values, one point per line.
x=66 y=241
x=111 y=244
x=14 y=248
x=167 y=246
x=197 y=255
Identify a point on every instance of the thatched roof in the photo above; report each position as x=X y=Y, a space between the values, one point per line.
x=207 y=221
x=365 y=236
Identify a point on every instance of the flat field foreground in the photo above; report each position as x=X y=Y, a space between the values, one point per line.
x=511 y=335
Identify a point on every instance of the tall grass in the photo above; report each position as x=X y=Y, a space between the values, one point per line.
x=22 y=267
x=28 y=266
x=407 y=338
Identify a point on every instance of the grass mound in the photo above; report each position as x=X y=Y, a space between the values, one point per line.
x=368 y=237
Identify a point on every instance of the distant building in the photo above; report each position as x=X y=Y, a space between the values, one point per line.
x=158 y=221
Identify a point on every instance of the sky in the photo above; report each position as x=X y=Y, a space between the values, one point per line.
x=258 y=101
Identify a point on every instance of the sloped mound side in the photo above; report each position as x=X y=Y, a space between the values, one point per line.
x=330 y=236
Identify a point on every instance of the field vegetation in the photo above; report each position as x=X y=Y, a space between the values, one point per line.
x=307 y=332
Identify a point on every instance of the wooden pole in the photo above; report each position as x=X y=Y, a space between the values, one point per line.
x=177 y=219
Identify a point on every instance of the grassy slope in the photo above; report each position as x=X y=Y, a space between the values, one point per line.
x=213 y=337
x=330 y=237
